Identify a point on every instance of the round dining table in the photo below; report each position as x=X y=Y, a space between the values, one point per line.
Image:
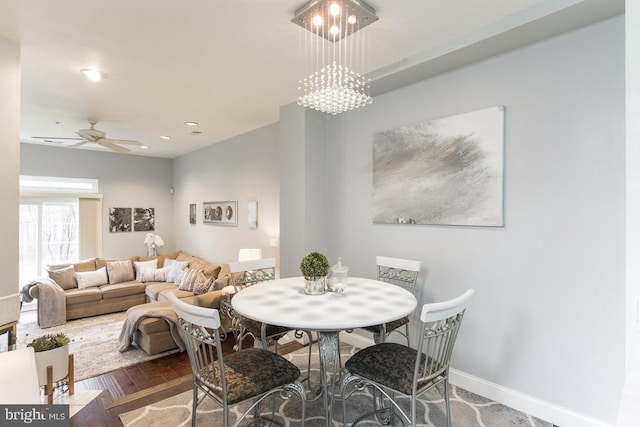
x=364 y=302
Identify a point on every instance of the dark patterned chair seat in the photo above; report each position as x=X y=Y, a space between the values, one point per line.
x=391 y=365
x=252 y=372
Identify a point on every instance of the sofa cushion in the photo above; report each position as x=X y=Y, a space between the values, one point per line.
x=86 y=265
x=160 y=259
x=88 y=279
x=120 y=271
x=175 y=267
x=154 y=274
x=209 y=300
x=162 y=296
x=202 y=284
x=153 y=325
x=78 y=296
x=140 y=265
x=173 y=255
x=122 y=289
x=102 y=262
x=153 y=289
x=187 y=279
x=64 y=277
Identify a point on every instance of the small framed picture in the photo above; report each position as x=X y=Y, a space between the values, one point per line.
x=221 y=213
x=119 y=220
x=144 y=219
x=252 y=214
x=192 y=213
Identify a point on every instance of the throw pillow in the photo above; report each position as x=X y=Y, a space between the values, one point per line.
x=175 y=267
x=154 y=274
x=188 y=279
x=202 y=284
x=64 y=277
x=120 y=271
x=139 y=265
x=87 y=279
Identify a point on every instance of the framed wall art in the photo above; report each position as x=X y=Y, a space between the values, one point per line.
x=220 y=213
x=119 y=220
x=144 y=219
x=192 y=213
x=252 y=214
x=447 y=171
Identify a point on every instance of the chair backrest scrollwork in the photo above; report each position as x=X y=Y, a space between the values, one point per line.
x=247 y=273
x=400 y=272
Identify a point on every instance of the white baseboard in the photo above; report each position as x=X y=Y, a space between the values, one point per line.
x=522 y=402
x=538 y=408
x=358 y=341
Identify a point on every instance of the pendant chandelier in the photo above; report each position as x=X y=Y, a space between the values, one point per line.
x=334 y=51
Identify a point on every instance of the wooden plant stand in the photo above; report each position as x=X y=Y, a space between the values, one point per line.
x=48 y=388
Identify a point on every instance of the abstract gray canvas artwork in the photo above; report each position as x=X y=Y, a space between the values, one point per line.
x=447 y=171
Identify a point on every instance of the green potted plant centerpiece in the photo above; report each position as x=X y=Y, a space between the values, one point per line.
x=51 y=351
x=314 y=268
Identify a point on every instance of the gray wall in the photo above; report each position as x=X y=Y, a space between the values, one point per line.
x=124 y=180
x=548 y=316
x=242 y=168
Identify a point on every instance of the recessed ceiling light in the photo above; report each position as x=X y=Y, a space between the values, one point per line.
x=144 y=147
x=191 y=123
x=164 y=137
x=93 y=75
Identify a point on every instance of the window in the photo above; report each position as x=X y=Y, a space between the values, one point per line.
x=48 y=234
x=60 y=221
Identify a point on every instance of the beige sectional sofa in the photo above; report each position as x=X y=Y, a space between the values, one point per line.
x=84 y=296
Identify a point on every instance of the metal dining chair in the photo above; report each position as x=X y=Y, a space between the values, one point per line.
x=396 y=370
x=248 y=273
x=403 y=273
x=249 y=375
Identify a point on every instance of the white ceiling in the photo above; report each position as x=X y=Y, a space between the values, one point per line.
x=230 y=64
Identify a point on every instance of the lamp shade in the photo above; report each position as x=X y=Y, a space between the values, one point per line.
x=249 y=254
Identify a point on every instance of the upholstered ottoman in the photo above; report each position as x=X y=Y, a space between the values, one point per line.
x=153 y=336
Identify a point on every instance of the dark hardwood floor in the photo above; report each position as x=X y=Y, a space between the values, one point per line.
x=136 y=386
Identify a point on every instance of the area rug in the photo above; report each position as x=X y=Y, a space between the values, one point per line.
x=467 y=409
x=94 y=343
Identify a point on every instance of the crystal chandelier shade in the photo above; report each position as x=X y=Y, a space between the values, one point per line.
x=334 y=50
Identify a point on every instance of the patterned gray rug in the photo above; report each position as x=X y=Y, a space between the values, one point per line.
x=468 y=409
x=94 y=343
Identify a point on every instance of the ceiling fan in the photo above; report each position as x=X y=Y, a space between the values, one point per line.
x=96 y=136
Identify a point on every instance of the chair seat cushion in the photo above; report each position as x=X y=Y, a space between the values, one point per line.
x=255 y=371
x=390 y=326
x=255 y=328
x=388 y=364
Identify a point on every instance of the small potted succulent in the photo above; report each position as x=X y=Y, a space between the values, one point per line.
x=51 y=350
x=315 y=268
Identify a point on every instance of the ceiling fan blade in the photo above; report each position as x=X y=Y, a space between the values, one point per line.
x=121 y=141
x=108 y=144
x=77 y=145
x=55 y=137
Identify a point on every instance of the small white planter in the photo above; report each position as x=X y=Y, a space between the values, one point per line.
x=58 y=358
